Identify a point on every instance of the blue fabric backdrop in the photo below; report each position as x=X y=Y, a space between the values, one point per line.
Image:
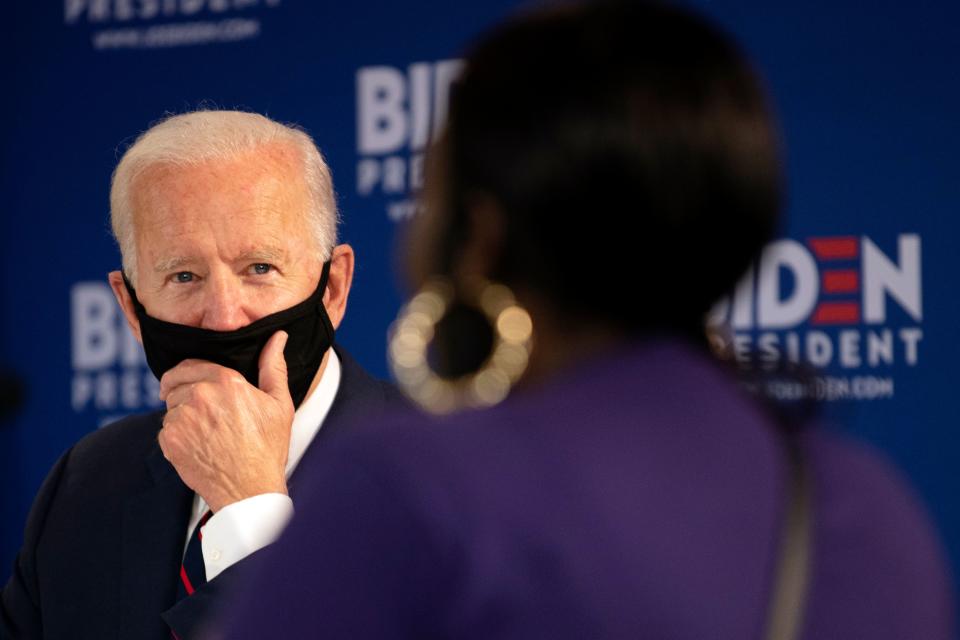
x=861 y=283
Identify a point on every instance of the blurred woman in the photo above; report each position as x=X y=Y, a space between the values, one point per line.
x=608 y=172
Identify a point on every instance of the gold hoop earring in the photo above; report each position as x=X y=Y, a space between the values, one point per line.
x=415 y=329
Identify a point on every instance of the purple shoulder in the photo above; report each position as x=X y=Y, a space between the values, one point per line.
x=879 y=569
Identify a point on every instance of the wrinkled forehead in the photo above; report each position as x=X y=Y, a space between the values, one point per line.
x=266 y=164
x=242 y=200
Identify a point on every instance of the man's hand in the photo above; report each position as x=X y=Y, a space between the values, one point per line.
x=227 y=439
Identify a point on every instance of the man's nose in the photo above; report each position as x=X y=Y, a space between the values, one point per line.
x=223 y=305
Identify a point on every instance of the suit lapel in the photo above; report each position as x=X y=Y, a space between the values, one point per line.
x=358 y=396
x=153 y=529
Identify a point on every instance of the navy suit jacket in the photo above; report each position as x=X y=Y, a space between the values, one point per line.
x=104 y=539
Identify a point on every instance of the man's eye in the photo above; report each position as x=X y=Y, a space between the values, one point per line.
x=183 y=276
x=261 y=268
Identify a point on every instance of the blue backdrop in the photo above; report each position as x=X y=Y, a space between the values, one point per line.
x=861 y=282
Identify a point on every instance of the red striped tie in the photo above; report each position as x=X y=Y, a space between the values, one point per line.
x=193 y=573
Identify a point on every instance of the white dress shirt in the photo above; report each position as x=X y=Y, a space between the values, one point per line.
x=243 y=527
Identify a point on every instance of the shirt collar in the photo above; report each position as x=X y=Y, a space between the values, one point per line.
x=313 y=411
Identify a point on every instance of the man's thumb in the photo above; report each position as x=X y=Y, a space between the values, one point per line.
x=273 y=367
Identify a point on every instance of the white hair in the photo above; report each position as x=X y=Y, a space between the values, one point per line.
x=193 y=138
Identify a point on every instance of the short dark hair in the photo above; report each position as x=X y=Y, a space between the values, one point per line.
x=635 y=125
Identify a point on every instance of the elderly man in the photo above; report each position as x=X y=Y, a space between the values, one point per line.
x=234 y=285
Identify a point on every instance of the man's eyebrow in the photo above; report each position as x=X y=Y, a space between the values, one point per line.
x=174 y=263
x=262 y=254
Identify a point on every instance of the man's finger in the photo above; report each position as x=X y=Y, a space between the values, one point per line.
x=191 y=371
x=179 y=395
x=273 y=367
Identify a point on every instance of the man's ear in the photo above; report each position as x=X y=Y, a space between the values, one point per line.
x=125 y=301
x=338 y=283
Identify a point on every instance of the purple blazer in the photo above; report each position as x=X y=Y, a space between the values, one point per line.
x=640 y=496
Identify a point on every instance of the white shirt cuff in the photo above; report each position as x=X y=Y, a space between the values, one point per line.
x=241 y=528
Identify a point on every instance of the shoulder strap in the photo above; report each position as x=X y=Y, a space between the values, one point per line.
x=792 y=577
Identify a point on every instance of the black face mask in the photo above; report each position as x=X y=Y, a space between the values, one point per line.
x=167 y=344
